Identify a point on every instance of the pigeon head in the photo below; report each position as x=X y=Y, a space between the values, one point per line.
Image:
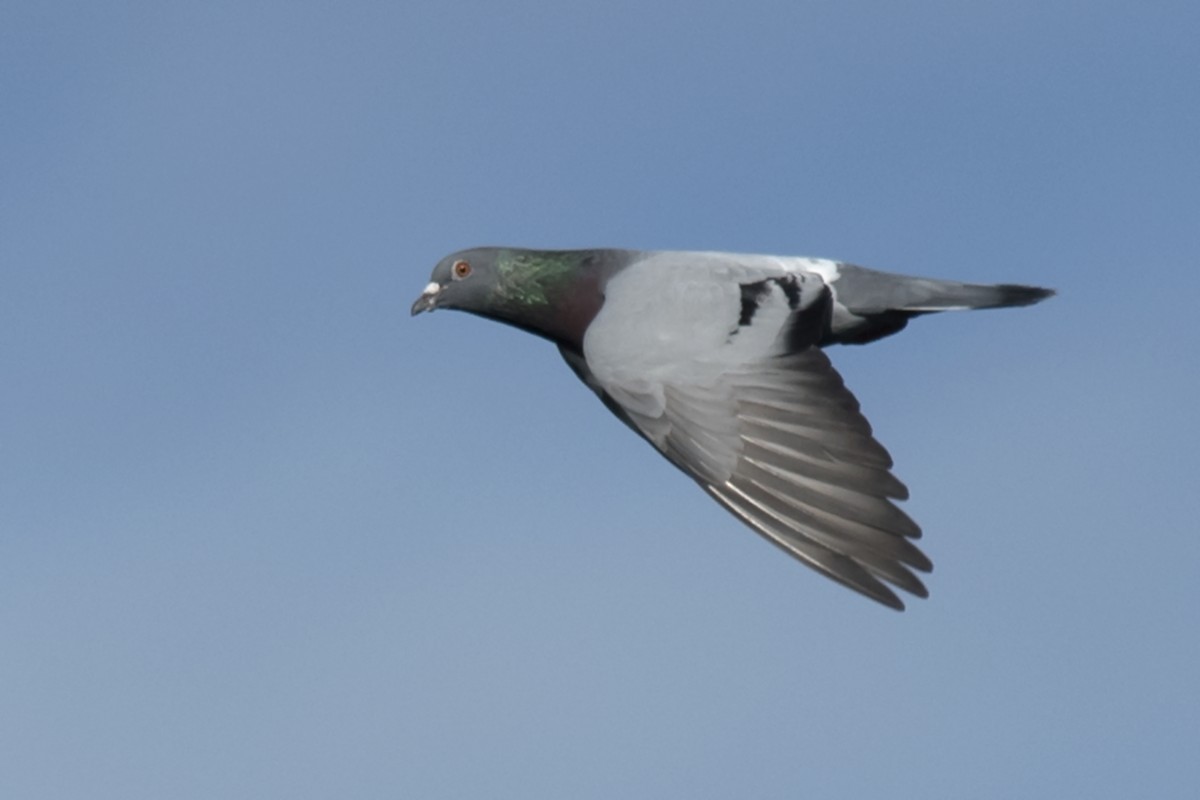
x=553 y=293
x=466 y=280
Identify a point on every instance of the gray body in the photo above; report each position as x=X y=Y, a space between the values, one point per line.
x=716 y=360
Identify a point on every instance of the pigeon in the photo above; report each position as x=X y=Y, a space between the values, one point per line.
x=717 y=360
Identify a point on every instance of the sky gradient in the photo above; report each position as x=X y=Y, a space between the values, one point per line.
x=264 y=535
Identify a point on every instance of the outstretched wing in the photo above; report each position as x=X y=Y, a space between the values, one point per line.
x=717 y=369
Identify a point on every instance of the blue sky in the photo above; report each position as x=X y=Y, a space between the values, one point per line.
x=263 y=535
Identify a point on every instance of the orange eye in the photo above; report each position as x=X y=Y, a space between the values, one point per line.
x=461 y=269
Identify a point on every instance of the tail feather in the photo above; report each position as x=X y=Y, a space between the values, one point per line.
x=869 y=305
x=950 y=296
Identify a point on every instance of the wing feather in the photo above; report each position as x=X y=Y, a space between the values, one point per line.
x=806 y=474
x=783 y=514
x=834 y=565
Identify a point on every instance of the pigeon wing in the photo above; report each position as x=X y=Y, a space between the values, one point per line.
x=728 y=392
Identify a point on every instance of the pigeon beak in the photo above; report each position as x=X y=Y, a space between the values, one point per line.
x=428 y=299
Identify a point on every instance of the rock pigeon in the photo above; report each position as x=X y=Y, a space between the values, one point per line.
x=716 y=359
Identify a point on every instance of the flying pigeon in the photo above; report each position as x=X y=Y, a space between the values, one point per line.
x=716 y=359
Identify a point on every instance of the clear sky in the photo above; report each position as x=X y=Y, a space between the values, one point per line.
x=264 y=535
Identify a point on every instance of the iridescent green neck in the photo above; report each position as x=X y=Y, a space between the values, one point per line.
x=553 y=293
x=530 y=279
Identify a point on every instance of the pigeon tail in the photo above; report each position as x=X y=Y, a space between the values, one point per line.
x=952 y=296
x=869 y=305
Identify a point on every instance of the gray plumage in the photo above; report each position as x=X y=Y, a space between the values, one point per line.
x=716 y=360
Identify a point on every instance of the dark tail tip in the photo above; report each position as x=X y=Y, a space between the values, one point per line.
x=1012 y=294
